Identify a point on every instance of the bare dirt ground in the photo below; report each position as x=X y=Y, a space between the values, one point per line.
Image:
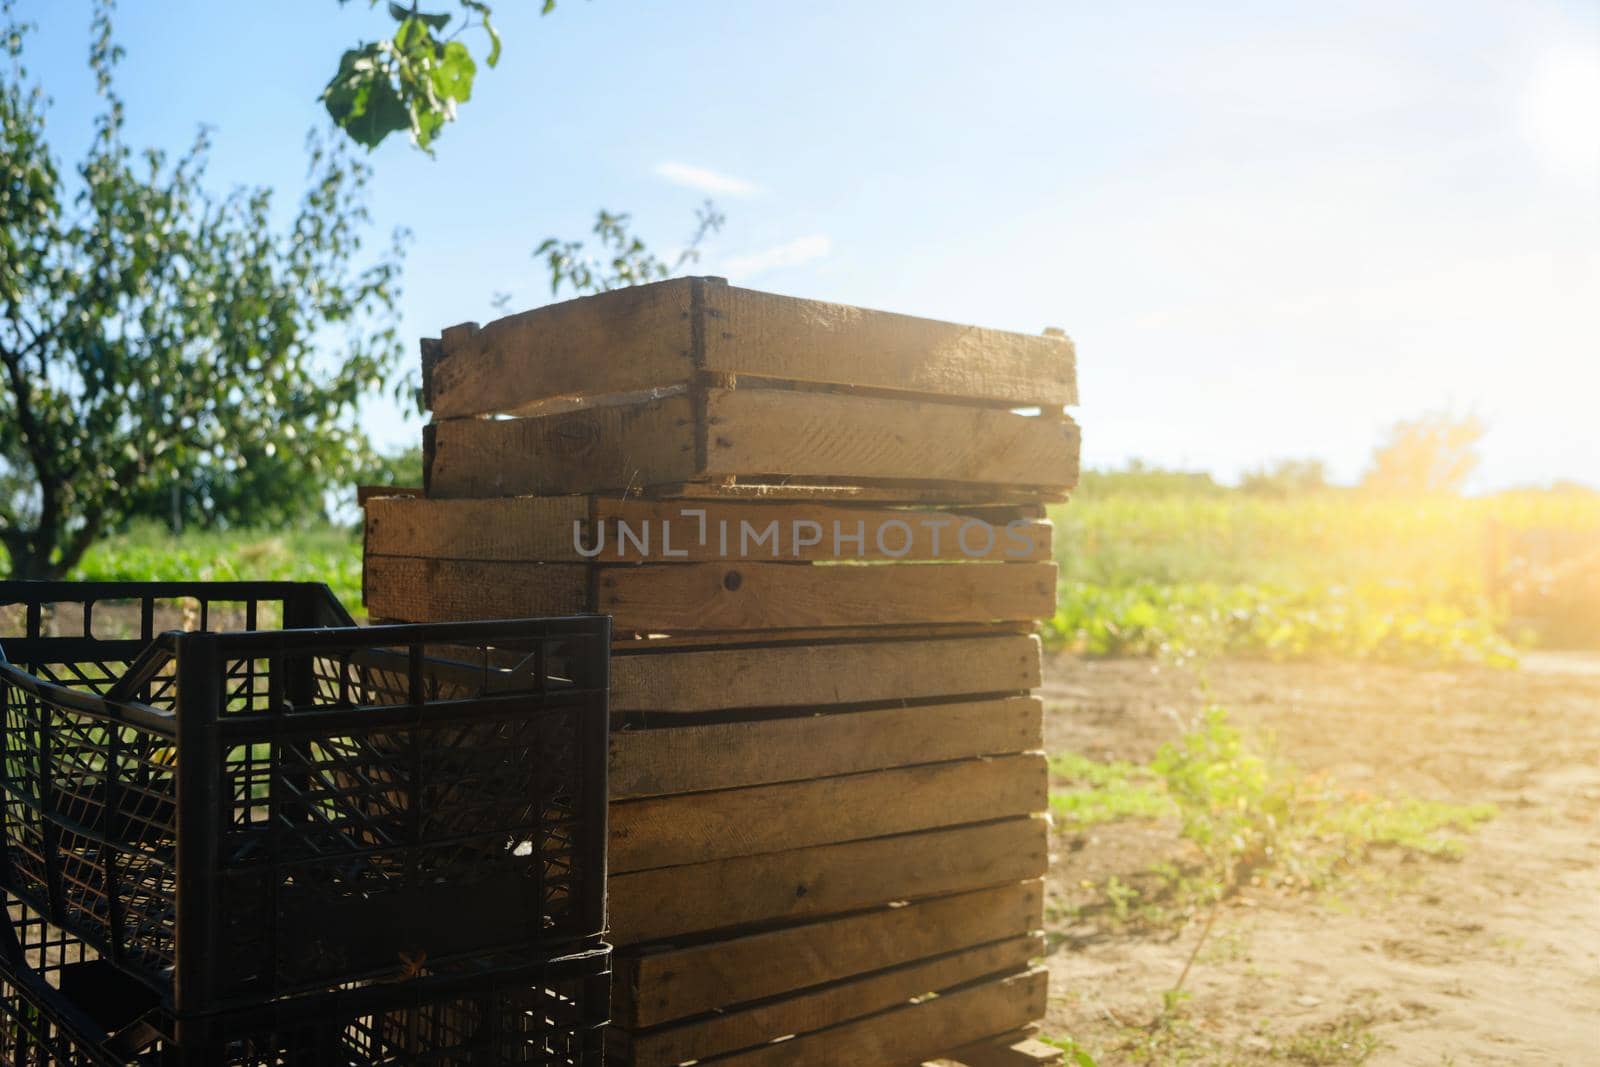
x=1492 y=959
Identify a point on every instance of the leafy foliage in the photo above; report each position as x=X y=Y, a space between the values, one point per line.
x=414 y=81
x=147 y=552
x=150 y=331
x=1248 y=816
x=1286 y=477
x=620 y=258
x=1189 y=573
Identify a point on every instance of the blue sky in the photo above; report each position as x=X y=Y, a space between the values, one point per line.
x=1272 y=229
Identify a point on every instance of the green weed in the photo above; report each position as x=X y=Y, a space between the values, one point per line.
x=328 y=554
x=1346 y=1041
x=1104 y=792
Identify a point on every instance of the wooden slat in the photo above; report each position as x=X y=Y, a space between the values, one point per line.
x=658 y=987
x=729 y=531
x=672 y=598
x=687 y=759
x=614 y=342
x=612 y=447
x=535 y=529
x=624 y=641
x=911 y=1034
x=684 y=597
x=826 y=490
x=801 y=434
x=701 y=827
x=443 y=590
x=652 y=905
x=736 y=1029
x=1020 y=1049
x=554 y=529
x=660 y=335
x=789 y=676
x=796 y=435
x=756 y=333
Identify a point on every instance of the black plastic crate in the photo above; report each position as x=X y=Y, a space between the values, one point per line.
x=62 y=1005
x=237 y=816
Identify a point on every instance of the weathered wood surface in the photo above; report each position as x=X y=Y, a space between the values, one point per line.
x=774 y=435
x=633 y=640
x=616 y=342
x=663 y=334
x=807 y=676
x=1020 y=1049
x=725 y=894
x=575 y=529
x=907 y=1035
x=688 y=759
x=737 y=1029
x=799 y=434
x=672 y=598
x=657 y=987
x=614 y=447
x=681 y=597
x=701 y=827
x=754 y=333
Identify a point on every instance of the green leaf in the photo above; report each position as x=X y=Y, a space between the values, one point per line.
x=361 y=97
x=401 y=14
x=494 y=43
x=452 y=75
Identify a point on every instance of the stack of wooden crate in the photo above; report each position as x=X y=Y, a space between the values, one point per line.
x=820 y=532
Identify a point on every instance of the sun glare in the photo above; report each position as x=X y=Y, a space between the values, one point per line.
x=1561 y=112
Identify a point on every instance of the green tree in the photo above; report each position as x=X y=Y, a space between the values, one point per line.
x=1435 y=453
x=149 y=328
x=620 y=259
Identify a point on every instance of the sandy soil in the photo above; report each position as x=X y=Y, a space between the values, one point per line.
x=1494 y=959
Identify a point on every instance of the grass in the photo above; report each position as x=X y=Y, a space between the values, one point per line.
x=330 y=554
x=1247 y=817
x=1333 y=574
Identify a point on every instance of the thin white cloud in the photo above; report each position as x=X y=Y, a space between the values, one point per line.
x=705 y=180
x=790 y=254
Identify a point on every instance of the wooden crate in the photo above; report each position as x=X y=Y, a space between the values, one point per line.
x=772 y=803
x=825 y=761
x=734 y=568
x=693 y=387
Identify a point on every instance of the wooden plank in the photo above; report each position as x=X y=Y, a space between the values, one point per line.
x=526 y=528
x=624 y=641
x=800 y=434
x=825 y=490
x=653 y=905
x=444 y=590
x=910 y=1034
x=657 y=987
x=684 y=597
x=575 y=529
x=686 y=759
x=732 y=1030
x=661 y=334
x=800 y=531
x=672 y=598
x=756 y=333
x=701 y=827
x=1014 y=1050
x=752 y=433
x=611 y=447
x=613 y=342
x=804 y=676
